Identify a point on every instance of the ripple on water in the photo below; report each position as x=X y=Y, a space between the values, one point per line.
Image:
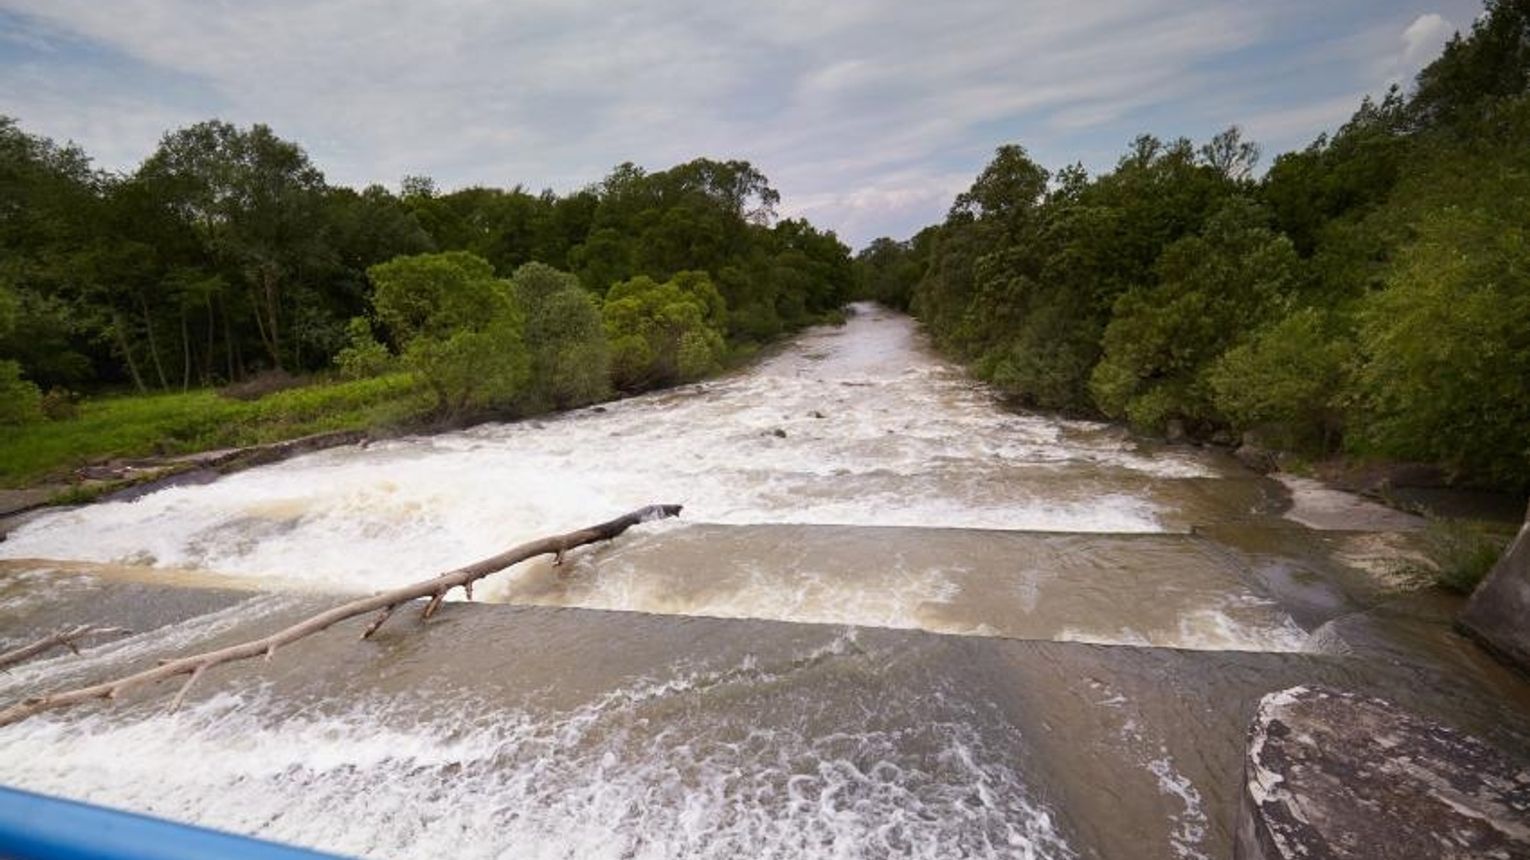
x=671 y=768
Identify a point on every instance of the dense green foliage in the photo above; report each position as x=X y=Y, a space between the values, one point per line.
x=570 y=360
x=459 y=327
x=1370 y=292
x=226 y=255
x=664 y=333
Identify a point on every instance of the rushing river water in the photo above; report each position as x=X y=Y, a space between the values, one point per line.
x=896 y=619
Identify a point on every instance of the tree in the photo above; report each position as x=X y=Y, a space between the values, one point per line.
x=457 y=325
x=1445 y=347
x=1475 y=72
x=1289 y=378
x=257 y=203
x=570 y=364
x=1005 y=194
x=1230 y=155
x=664 y=333
x=1211 y=290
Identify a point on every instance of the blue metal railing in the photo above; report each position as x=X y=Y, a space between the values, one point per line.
x=37 y=827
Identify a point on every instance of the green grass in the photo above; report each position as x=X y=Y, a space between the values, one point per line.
x=144 y=425
x=1463 y=552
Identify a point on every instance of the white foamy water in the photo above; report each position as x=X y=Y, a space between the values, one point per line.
x=853 y=426
x=642 y=772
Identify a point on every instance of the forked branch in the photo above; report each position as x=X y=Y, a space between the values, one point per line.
x=435 y=589
x=64 y=638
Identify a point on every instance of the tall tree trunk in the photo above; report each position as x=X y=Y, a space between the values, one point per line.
x=229 y=346
x=148 y=327
x=185 y=353
x=212 y=337
x=267 y=310
x=118 y=329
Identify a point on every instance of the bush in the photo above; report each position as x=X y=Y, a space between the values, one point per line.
x=363 y=356
x=570 y=364
x=1445 y=350
x=1291 y=374
x=60 y=404
x=664 y=333
x=1461 y=552
x=1212 y=288
x=261 y=384
x=20 y=400
x=459 y=327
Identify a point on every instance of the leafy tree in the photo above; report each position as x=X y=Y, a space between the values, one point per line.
x=664 y=333
x=1446 y=348
x=1289 y=378
x=457 y=325
x=1231 y=156
x=1006 y=194
x=1476 y=71
x=256 y=201
x=363 y=355
x=1211 y=288
x=570 y=364
x=887 y=271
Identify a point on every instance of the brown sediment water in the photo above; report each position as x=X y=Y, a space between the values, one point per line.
x=911 y=623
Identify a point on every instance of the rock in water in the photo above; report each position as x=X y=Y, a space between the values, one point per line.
x=1330 y=774
x=1498 y=615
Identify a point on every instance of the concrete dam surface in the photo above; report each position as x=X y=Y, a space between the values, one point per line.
x=896 y=620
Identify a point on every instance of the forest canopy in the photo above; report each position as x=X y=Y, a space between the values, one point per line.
x=1369 y=293
x=226 y=255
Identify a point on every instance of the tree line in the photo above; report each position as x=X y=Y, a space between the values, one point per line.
x=1369 y=293
x=226 y=254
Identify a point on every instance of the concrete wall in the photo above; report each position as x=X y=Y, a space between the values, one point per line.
x=1498 y=614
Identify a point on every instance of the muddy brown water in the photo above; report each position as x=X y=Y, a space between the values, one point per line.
x=917 y=626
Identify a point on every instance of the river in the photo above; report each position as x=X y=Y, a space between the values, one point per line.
x=896 y=619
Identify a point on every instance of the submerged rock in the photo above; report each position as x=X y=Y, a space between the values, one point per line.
x=1259 y=459
x=1330 y=774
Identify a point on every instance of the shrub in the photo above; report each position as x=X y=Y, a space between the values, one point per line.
x=664 y=333
x=458 y=326
x=363 y=356
x=1461 y=552
x=20 y=400
x=1291 y=374
x=570 y=363
x=60 y=404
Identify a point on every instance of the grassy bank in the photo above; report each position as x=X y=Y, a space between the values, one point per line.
x=161 y=424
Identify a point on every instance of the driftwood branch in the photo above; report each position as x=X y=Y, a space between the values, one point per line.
x=64 y=638
x=385 y=603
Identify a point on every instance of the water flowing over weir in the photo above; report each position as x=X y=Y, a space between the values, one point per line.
x=897 y=620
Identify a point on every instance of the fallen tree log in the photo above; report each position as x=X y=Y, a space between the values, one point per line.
x=434 y=590
x=65 y=638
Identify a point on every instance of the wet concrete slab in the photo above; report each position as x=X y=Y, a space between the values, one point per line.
x=568 y=729
x=1134 y=589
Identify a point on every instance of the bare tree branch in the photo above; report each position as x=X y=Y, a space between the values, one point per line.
x=66 y=638
x=385 y=603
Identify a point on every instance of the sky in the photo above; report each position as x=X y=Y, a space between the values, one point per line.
x=868 y=117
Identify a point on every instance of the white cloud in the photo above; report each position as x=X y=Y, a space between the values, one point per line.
x=860 y=111
x=1424 y=38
